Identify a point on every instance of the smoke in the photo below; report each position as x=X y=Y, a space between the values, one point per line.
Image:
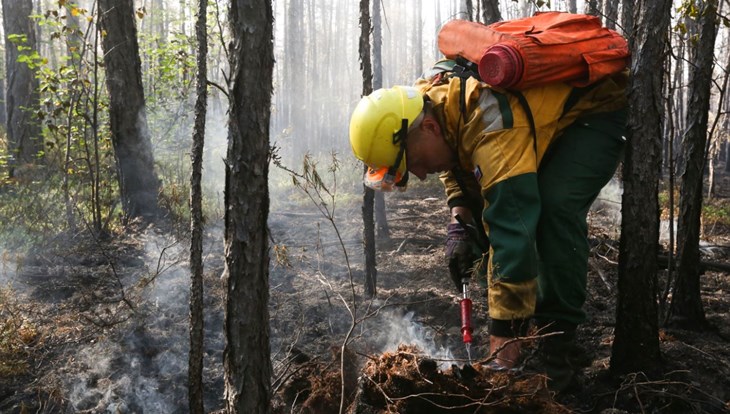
x=142 y=366
x=8 y=267
x=403 y=329
x=608 y=204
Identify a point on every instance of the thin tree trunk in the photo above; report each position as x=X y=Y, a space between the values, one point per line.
x=572 y=6
x=418 y=40
x=593 y=7
x=490 y=11
x=611 y=12
x=669 y=167
x=381 y=218
x=195 y=359
x=627 y=17
x=715 y=144
x=437 y=25
x=368 y=194
x=686 y=308
x=247 y=356
x=636 y=342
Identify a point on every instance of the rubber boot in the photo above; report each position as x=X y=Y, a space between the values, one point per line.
x=560 y=357
x=554 y=354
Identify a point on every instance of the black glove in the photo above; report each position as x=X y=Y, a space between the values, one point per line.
x=461 y=254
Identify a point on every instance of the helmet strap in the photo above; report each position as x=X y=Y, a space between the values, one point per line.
x=399 y=138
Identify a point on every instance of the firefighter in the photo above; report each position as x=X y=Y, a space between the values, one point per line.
x=535 y=160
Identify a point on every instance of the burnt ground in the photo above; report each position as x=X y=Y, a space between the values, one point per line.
x=98 y=326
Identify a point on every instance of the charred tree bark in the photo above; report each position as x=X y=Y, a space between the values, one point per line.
x=247 y=356
x=490 y=11
x=381 y=218
x=21 y=85
x=686 y=306
x=636 y=343
x=371 y=271
x=195 y=358
x=138 y=184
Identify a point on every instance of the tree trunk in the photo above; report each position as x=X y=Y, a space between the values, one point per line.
x=381 y=217
x=377 y=46
x=418 y=40
x=627 y=17
x=636 y=342
x=572 y=6
x=247 y=356
x=195 y=359
x=371 y=271
x=21 y=85
x=3 y=108
x=292 y=56
x=611 y=12
x=437 y=25
x=593 y=7
x=138 y=184
x=686 y=306
x=490 y=11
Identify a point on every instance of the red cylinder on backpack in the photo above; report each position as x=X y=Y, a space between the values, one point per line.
x=501 y=65
x=542 y=49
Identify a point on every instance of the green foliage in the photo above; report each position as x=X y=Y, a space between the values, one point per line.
x=74 y=121
x=168 y=65
x=25 y=53
x=716 y=212
x=76 y=188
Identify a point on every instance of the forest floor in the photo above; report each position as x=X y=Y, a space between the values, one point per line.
x=96 y=326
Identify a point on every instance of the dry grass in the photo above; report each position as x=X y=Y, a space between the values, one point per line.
x=19 y=335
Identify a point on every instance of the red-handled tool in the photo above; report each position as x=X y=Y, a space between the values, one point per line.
x=466 y=328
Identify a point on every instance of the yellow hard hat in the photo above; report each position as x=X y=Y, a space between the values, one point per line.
x=379 y=125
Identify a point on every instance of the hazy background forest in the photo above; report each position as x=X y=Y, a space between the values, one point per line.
x=91 y=321
x=317 y=81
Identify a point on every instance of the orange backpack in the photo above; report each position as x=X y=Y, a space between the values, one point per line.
x=545 y=48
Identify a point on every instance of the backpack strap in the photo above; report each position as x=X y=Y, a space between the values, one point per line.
x=526 y=107
x=464 y=69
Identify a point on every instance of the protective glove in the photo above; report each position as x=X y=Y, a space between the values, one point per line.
x=461 y=253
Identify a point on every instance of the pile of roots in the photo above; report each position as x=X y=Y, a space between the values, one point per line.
x=407 y=381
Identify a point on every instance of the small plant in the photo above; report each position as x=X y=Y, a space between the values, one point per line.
x=716 y=213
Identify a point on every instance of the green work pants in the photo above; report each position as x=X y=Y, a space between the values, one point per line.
x=570 y=177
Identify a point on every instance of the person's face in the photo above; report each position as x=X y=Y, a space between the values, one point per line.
x=426 y=150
